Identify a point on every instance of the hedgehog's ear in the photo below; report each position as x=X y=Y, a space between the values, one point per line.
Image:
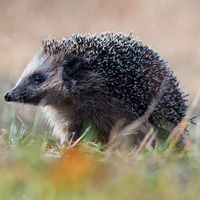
x=71 y=65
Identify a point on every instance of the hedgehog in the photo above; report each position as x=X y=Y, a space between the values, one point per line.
x=105 y=79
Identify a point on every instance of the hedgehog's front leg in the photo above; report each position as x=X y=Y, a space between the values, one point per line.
x=63 y=125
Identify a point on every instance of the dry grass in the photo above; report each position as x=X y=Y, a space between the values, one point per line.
x=34 y=166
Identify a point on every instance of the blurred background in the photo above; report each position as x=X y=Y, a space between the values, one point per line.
x=171 y=27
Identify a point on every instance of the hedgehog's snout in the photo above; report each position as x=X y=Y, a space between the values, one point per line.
x=12 y=95
x=7 y=96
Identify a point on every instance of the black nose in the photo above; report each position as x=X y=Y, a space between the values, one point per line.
x=7 y=96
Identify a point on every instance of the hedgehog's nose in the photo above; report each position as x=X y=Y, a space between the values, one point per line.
x=7 y=96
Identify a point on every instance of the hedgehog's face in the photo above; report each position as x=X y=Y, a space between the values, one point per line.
x=38 y=84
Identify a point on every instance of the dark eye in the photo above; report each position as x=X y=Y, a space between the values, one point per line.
x=38 y=78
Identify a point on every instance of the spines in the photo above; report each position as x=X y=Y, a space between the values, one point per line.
x=133 y=72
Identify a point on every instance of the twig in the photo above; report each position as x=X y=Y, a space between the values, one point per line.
x=22 y=129
x=144 y=141
x=180 y=128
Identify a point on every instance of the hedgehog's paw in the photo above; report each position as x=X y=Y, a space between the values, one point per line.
x=60 y=133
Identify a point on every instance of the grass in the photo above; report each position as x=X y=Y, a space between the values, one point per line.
x=34 y=166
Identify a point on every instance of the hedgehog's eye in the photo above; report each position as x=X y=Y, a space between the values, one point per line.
x=38 y=78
